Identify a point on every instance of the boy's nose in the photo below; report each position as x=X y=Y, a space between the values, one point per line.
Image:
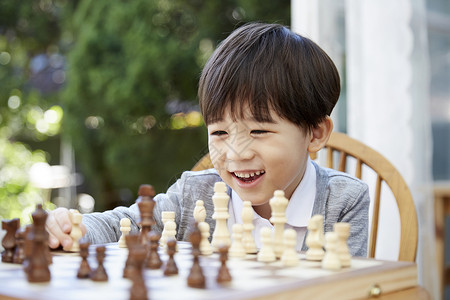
x=239 y=150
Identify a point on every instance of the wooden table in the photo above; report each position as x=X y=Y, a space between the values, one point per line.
x=441 y=210
x=251 y=280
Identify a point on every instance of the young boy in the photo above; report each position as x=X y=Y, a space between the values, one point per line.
x=266 y=95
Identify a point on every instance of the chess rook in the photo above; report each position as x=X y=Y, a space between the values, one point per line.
x=169 y=231
x=221 y=235
x=278 y=205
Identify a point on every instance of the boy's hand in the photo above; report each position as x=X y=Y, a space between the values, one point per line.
x=58 y=226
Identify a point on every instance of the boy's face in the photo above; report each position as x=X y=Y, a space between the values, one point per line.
x=255 y=158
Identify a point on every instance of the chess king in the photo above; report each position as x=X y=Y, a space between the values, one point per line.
x=266 y=95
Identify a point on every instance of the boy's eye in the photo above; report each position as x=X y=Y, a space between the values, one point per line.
x=218 y=132
x=259 y=131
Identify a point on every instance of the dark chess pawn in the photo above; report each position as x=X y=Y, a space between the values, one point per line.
x=171 y=266
x=138 y=290
x=224 y=274
x=196 y=278
x=153 y=260
x=99 y=274
x=131 y=240
x=19 y=254
x=9 y=240
x=85 y=270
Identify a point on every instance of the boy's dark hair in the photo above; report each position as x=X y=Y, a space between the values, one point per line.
x=267 y=66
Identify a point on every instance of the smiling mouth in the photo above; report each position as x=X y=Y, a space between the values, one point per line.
x=248 y=177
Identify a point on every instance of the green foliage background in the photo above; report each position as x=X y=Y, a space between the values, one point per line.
x=131 y=76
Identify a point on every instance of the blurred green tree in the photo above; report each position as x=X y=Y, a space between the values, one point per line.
x=123 y=74
x=29 y=31
x=131 y=89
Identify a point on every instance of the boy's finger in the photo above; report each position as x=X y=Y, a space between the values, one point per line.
x=63 y=219
x=53 y=227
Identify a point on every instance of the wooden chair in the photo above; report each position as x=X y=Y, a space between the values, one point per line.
x=340 y=146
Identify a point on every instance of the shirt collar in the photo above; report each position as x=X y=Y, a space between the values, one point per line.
x=300 y=206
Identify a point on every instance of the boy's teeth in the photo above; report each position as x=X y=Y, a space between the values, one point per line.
x=248 y=175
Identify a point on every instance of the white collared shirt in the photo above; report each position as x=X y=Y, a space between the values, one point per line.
x=298 y=211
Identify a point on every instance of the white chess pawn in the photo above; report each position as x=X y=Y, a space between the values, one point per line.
x=266 y=253
x=199 y=211
x=125 y=228
x=75 y=233
x=342 y=230
x=169 y=232
x=290 y=256
x=205 y=246
x=278 y=204
x=331 y=259
x=237 y=248
x=314 y=239
x=247 y=225
x=165 y=216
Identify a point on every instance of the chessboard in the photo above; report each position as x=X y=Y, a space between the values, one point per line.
x=250 y=279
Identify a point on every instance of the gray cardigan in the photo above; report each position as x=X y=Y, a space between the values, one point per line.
x=339 y=198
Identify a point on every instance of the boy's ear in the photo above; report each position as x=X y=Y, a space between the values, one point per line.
x=320 y=135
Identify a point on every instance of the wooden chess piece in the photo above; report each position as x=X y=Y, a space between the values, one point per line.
x=223 y=274
x=247 y=226
x=9 y=240
x=100 y=274
x=28 y=247
x=38 y=270
x=167 y=216
x=199 y=211
x=19 y=254
x=314 y=239
x=237 y=248
x=169 y=232
x=278 y=205
x=76 y=234
x=342 y=230
x=290 y=256
x=331 y=258
x=205 y=245
x=146 y=205
x=153 y=260
x=171 y=266
x=85 y=270
x=221 y=235
x=138 y=290
x=125 y=228
x=196 y=278
x=131 y=240
x=266 y=253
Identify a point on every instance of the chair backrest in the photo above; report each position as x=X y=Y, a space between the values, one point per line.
x=340 y=146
